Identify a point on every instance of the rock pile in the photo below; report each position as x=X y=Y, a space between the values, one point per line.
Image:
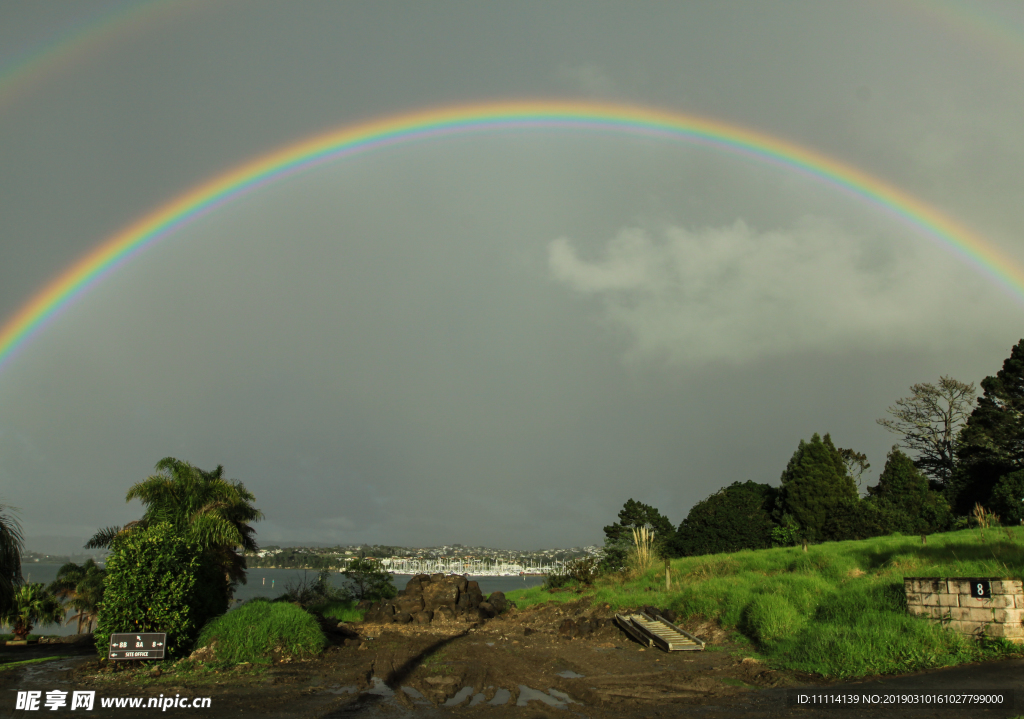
x=436 y=598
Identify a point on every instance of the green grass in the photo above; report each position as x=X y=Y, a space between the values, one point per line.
x=252 y=632
x=4 y=665
x=31 y=637
x=837 y=610
x=342 y=611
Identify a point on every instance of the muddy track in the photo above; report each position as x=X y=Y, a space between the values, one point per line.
x=523 y=664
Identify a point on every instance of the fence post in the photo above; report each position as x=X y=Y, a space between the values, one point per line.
x=668 y=576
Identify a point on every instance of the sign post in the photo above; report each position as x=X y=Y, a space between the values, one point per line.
x=137 y=645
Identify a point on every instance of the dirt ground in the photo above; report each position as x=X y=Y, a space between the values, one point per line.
x=519 y=664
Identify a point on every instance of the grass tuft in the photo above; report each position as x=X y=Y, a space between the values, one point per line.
x=343 y=611
x=252 y=632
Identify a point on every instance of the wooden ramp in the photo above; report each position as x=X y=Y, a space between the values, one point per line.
x=658 y=632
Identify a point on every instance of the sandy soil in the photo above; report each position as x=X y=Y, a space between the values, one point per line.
x=518 y=664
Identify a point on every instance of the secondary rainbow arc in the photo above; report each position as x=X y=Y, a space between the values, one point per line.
x=498 y=117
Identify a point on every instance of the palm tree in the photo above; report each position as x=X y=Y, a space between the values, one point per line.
x=12 y=544
x=33 y=604
x=82 y=587
x=213 y=511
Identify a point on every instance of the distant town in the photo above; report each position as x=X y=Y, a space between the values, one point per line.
x=455 y=558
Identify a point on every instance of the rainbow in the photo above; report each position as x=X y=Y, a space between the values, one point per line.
x=489 y=118
x=69 y=47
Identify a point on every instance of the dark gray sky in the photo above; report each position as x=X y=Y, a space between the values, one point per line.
x=492 y=339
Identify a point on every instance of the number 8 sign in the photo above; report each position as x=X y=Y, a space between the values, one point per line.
x=980 y=589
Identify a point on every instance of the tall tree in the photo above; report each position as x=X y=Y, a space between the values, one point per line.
x=991 y=443
x=210 y=510
x=856 y=463
x=816 y=484
x=906 y=501
x=633 y=515
x=733 y=518
x=929 y=421
x=12 y=544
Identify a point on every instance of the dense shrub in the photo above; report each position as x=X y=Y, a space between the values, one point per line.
x=318 y=591
x=368 y=579
x=159 y=581
x=1008 y=498
x=734 y=518
x=252 y=632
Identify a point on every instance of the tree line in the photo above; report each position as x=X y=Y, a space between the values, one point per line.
x=958 y=461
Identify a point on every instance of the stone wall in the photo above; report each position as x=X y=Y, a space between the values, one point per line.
x=949 y=601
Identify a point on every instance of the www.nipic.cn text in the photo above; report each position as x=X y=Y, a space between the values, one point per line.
x=57 y=699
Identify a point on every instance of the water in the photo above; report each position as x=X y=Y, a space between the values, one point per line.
x=271 y=583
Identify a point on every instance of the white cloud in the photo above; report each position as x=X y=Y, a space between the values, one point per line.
x=734 y=293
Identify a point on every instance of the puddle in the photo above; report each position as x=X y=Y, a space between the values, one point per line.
x=350 y=689
x=569 y=674
x=414 y=693
x=476 y=699
x=562 y=696
x=553 y=698
x=528 y=695
x=379 y=688
x=501 y=698
x=490 y=644
x=460 y=697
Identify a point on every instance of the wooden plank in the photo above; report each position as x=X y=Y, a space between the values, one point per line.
x=666 y=635
x=628 y=627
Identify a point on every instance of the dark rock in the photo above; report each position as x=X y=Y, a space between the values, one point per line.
x=438 y=577
x=498 y=601
x=568 y=628
x=443 y=614
x=480 y=614
x=527 y=631
x=412 y=605
x=670 y=615
x=440 y=594
x=487 y=609
x=403 y=618
x=414 y=587
x=472 y=586
x=463 y=603
x=423 y=617
x=460 y=582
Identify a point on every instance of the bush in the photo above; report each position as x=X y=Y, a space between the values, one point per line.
x=771 y=618
x=557 y=578
x=583 y=570
x=159 y=581
x=252 y=632
x=367 y=579
x=318 y=591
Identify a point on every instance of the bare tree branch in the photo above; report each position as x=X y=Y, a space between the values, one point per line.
x=929 y=420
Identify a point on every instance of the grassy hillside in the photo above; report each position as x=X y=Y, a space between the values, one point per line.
x=837 y=610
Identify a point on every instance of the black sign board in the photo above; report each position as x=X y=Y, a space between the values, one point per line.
x=137 y=645
x=980 y=588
